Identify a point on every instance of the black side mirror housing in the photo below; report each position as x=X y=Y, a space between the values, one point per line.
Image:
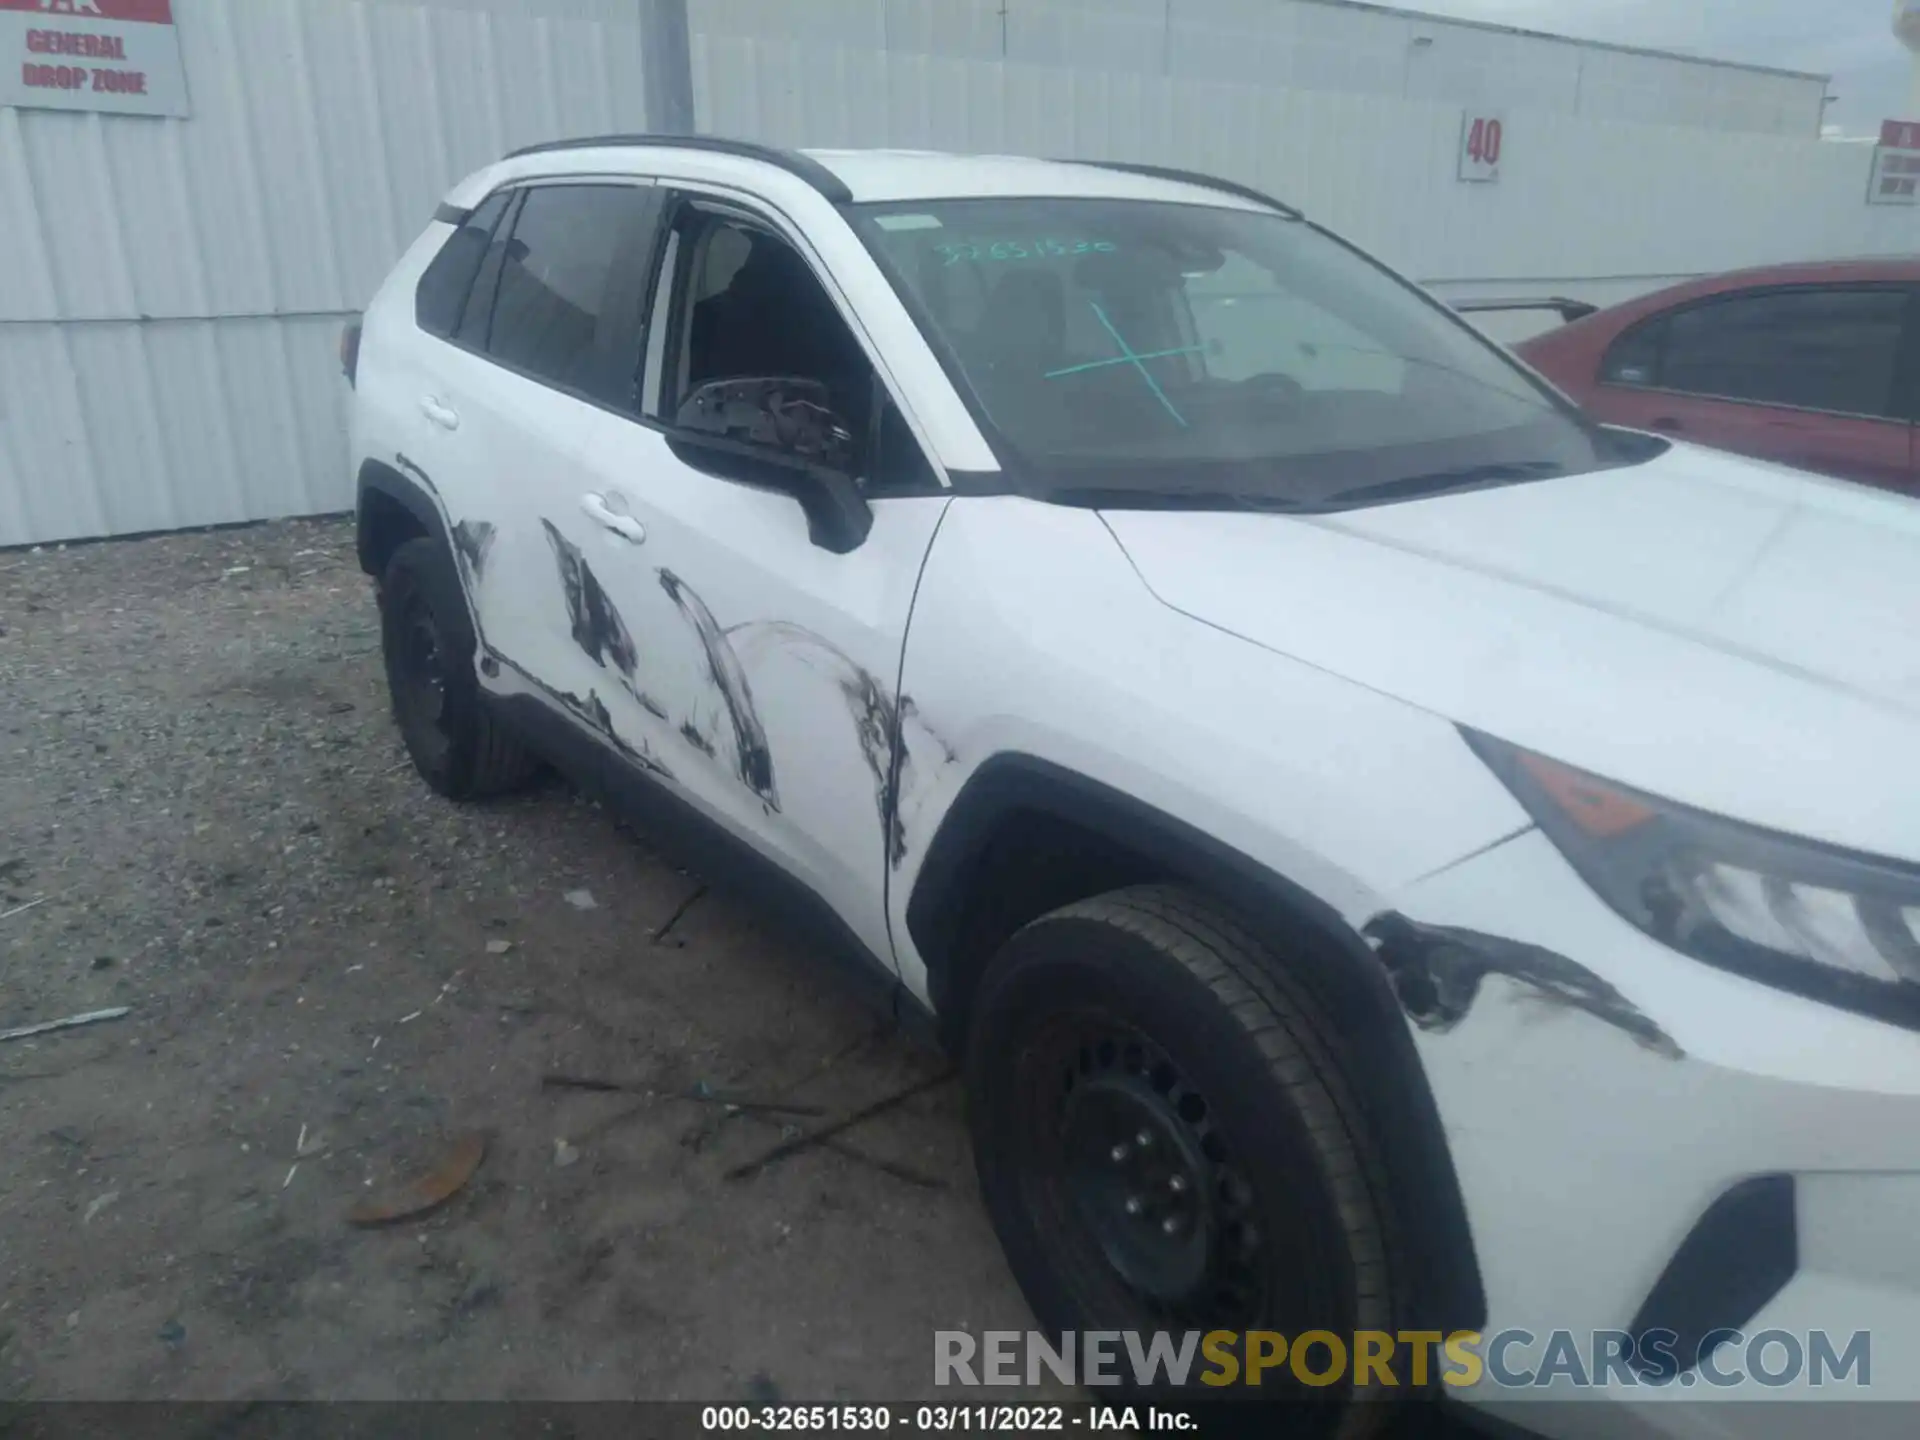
x=779 y=432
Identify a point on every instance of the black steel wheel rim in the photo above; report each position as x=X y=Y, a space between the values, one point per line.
x=1126 y=1167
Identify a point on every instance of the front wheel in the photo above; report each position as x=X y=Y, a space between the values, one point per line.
x=1166 y=1142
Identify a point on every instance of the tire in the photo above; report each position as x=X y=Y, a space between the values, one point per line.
x=1150 y=1013
x=457 y=745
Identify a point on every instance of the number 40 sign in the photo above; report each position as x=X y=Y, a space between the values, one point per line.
x=1482 y=137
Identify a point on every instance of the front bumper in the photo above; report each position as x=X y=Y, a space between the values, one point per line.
x=1598 y=1106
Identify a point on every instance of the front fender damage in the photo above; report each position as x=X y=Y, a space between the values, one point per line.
x=1436 y=972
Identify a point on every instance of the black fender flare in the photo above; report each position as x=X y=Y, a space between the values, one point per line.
x=1338 y=966
x=404 y=484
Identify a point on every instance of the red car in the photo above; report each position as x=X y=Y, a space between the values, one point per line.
x=1815 y=366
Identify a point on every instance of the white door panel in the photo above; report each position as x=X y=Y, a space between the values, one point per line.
x=510 y=463
x=769 y=665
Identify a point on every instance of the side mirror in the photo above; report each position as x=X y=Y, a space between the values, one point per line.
x=779 y=432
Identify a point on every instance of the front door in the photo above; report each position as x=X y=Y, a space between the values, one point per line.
x=770 y=664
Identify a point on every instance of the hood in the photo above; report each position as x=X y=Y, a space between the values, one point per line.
x=1717 y=631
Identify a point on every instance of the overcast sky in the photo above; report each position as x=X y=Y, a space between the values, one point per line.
x=1851 y=40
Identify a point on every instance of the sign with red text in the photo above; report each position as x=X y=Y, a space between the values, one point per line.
x=1896 y=165
x=118 y=56
x=1483 y=136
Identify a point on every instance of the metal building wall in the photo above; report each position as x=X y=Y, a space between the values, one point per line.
x=1607 y=209
x=171 y=292
x=1301 y=45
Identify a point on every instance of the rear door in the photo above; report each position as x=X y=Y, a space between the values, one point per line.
x=548 y=335
x=1818 y=377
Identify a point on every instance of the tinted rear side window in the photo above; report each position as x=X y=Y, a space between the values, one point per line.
x=1635 y=356
x=1834 y=350
x=443 y=289
x=551 y=317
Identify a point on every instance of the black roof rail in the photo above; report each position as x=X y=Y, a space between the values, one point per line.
x=1191 y=177
x=805 y=167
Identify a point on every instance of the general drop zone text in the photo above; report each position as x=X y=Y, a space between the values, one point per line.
x=79 y=77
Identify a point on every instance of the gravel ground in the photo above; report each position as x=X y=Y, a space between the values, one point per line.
x=333 y=975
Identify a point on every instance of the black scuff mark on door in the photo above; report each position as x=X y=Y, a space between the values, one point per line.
x=597 y=626
x=729 y=678
x=652 y=706
x=594 y=711
x=1437 y=970
x=472 y=540
x=879 y=722
x=876 y=717
x=691 y=734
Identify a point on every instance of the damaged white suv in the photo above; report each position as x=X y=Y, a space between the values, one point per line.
x=1392 y=854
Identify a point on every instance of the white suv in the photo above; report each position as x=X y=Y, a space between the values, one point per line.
x=1391 y=853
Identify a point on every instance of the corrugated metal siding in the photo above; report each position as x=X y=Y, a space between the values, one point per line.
x=1578 y=200
x=1301 y=45
x=171 y=292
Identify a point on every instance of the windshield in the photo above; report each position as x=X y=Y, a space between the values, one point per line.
x=1188 y=351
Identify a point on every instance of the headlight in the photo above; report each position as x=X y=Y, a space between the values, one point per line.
x=1826 y=923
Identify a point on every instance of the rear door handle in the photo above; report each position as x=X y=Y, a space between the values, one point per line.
x=438 y=413
x=596 y=509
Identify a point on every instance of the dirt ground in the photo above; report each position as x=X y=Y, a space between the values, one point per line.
x=334 y=978
x=333 y=975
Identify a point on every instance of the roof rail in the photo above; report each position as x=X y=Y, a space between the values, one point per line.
x=1191 y=177
x=805 y=167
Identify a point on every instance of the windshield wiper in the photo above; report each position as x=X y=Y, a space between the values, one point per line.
x=1150 y=499
x=1438 y=482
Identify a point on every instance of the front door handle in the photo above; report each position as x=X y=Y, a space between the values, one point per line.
x=1668 y=423
x=596 y=509
x=438 y=413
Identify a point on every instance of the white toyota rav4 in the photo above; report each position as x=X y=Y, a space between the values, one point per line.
x=1391 y=853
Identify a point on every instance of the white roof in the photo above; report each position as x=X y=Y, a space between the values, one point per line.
x=882 y=175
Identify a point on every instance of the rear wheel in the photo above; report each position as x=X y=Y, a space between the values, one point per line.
x=1166 y=1142
x=456 y=743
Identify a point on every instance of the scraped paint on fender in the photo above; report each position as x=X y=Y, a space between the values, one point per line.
x=1437 y=969
x=472 y=539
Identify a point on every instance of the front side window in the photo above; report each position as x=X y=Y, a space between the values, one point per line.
x=1833 y=350
x=1192 y=351
x=750 y=308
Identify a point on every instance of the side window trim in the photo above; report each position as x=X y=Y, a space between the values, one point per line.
x=719 y=200
x=458 y=303
x=653 y=362
x=488 y=277
x=1662 y=321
